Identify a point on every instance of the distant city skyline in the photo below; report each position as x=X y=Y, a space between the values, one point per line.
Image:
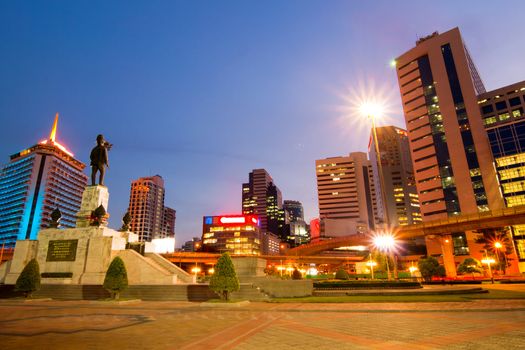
x=204 y=93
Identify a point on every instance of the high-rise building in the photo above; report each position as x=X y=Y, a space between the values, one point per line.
x=168 y=223
x=237 y=234
x=346 y=194
x=293 y=211
x=504 y=119
x=402 y=203
x=255 y=199
x=150 y=218
x=35 y=182
x=295 y=230
x=452 y=159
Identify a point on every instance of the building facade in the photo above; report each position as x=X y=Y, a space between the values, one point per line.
x=296 y=230
x=346 y=195
x=451 y=155
x=150 y=218
x=236 y=234
x=504 y=119
x=35 y=182
x=402 y=203
x=255 y=195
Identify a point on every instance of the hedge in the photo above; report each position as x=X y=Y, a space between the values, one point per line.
x=365 y=284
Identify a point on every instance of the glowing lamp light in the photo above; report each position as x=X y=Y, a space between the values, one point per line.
x=195 y=270
x=498 y=245
x=412 y=269
x=488 y=261
x=312 y=271
x=393 y=63
x=384 y=242
x=371 y=109
x=211 y=271
x=371 y=263
x=281 y=268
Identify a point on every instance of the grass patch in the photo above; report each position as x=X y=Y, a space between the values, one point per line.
x=493 y=294
x=219 y=301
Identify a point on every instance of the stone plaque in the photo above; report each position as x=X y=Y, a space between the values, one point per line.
x=62 y=250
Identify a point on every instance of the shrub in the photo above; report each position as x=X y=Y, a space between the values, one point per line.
x=341 y=274
x=224 y=280
x=116 y=278
x=364 y=284
x=429 y=267
x=296 y=274
x=29 y=280
x=469 y=265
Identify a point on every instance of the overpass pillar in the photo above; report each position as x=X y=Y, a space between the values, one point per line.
x=447 y=249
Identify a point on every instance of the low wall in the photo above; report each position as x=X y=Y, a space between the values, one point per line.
x=277 y=288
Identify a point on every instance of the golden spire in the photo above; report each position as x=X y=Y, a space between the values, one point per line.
x=54 y=130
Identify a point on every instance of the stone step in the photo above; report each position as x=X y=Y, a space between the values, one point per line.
x=181 y=292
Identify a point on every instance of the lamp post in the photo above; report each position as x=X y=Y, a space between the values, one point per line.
x=371 y=264
x=385 y=243
x=489 y=261
x=498 y=246
x=371 y=110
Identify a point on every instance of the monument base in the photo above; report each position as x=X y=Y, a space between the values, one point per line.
x=92 y=198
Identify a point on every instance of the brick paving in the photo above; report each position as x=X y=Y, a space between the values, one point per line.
x=481 y=324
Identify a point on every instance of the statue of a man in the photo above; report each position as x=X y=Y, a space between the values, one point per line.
x=99 y=160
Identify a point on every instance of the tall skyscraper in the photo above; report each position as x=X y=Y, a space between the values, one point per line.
x=293 y=211
x=452 y=159
x=402 y=204
x=450 y=151
x=295 y=231
x=168 y=223
x=151 y=219
x=504 y=119
x=261 y=197
x=35 y=182
x=346 y=194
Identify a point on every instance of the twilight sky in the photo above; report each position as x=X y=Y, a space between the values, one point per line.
x=202 y=92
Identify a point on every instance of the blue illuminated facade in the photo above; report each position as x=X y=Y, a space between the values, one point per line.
x=34 y=183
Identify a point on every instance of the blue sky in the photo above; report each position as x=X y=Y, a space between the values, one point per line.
x=201 y=92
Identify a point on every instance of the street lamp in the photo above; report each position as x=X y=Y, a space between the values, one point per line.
x=371 y=265
x=385 y=243
x=499 y=246
x=372 y=110
x=489 y=261
x=195 y=270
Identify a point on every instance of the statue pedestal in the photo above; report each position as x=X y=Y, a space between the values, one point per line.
x=92 y=198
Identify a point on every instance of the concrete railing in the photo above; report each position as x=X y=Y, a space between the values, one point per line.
x=182 y=275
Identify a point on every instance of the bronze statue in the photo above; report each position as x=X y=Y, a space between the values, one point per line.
x=99 y=160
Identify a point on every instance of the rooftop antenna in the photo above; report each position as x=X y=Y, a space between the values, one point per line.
x=53 y=133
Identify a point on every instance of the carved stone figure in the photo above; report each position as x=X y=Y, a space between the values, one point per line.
x=56 y=215
x=126 y=220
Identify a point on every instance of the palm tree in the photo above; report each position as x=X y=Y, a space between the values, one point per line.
x=497 y=241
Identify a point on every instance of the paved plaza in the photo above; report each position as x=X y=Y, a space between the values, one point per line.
x=482 y=324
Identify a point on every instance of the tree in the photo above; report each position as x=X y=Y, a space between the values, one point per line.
x=341 y=274
x=429 y=267
x=29 y=280
x=469 y=265
x=116 y=279
x=224 y=280
x=490 y=239
x=296 y=274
